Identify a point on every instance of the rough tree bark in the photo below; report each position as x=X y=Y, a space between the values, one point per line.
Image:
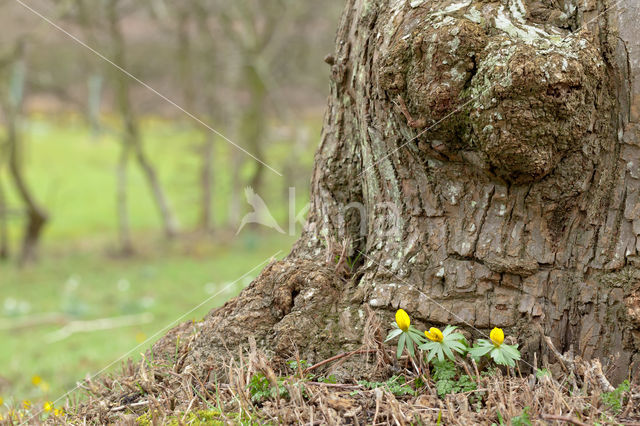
x=493 y=150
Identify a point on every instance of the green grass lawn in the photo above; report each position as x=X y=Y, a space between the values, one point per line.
x=73 y=175
x=79 y=277
x=167 y=283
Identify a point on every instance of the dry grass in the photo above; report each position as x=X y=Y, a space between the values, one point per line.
x=152 y=392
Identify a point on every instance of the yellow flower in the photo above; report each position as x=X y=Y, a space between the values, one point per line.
x=36 y=380
x=497 y=336
x=434 y=334
x=48 y=406
x=58 y=412
x=1 y=401
x=26 y=404
x=403 y=320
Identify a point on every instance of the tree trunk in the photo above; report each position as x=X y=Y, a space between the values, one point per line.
x=131 y=130
x=124 y=228
x=4 y=230
x=187 y=80
x=95 y=79
x=36 y=215
x=253 y=122
x=485 y=162
x=206 y=184
x=236 y=188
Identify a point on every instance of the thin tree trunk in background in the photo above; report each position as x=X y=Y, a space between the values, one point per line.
x=169 y=220
x=206 y=185
x=253 y=122
x=236 y=188
x=496 y=171
x=36 y=215
x=185 y=64
x=4 y=231
x=189 y=96
x=94 y=79
x=122 y=205
x=131 y=130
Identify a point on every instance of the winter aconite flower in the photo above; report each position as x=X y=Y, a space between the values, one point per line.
x=36 y=380
x=26 y=404
x=403 y=320
x=443 y=343
x=48 y=406
x=408 y=335
x=434 y=334
x=497 y=336
x=499 y=351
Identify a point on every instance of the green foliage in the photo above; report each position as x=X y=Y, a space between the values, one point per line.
x=616 y=400
x=197 y=418
x=396 y=385
x=449 y=380
x=523 y=419
x=542 y=373
x=298 y=365
x=451 y=342
x=501 y=354
x=260 y=388
x=408 y=339
x=329 y=379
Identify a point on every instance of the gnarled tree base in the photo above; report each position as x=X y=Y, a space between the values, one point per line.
x=480 y=166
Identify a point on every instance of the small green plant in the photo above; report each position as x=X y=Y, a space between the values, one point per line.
x=523 y=419
x=500 y=352
x=294 y=365
x=445 y=373
x=396 y=385
x=260 y=388
x=409 y=336
x=615 y=399
x=329 y=379
x=542 y=373
x=443 y=343
x=198 y=418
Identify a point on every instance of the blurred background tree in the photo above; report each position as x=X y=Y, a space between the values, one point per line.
x=97 y=170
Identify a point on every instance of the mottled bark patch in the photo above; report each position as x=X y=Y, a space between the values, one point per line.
x=521 y=101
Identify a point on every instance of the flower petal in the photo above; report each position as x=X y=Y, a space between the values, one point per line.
x=403 y=320
x=497 y=336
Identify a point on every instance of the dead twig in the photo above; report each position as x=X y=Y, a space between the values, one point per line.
x=124 y=407
x=337 y=357
x=98 y=324
x=566 y=419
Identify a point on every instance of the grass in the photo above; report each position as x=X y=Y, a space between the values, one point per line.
x=73 y=175
x=84 y=286
x=79 y=278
